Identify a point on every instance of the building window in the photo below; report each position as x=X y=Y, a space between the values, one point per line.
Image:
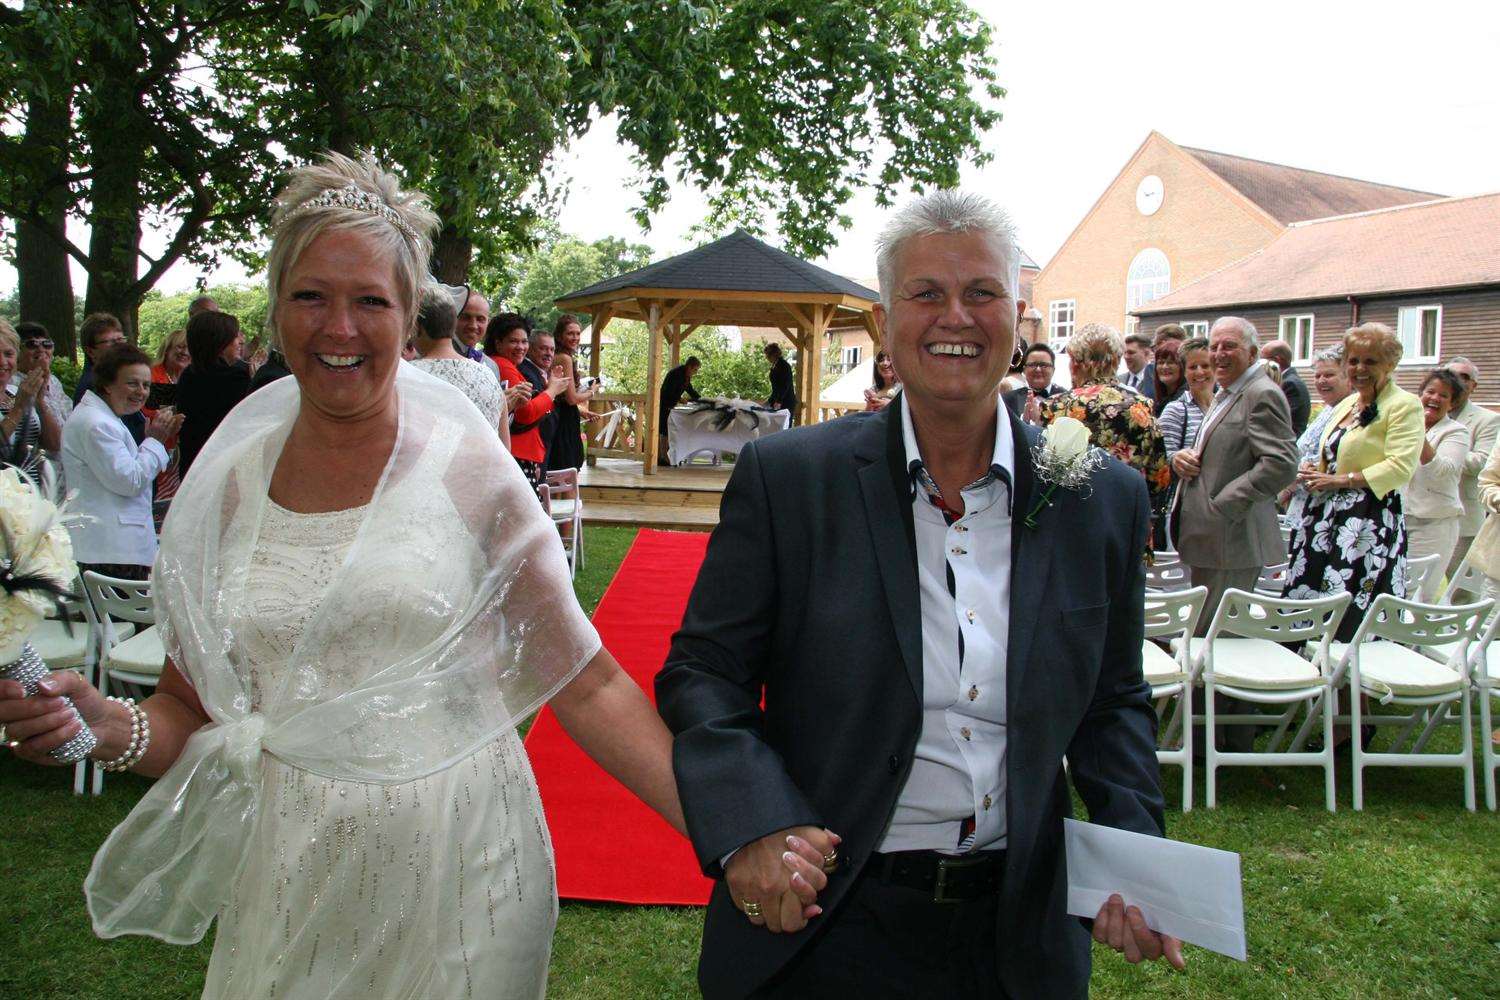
x=1132 y=326
x=1060 y=314
x=850 y=356
x=1297 y=331
x=1420 y=328
x=1150 y=277
x=1196 y=329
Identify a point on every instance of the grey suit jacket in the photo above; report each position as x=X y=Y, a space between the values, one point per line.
x=1248 y=454
x=808 y=596
x=1484 y=428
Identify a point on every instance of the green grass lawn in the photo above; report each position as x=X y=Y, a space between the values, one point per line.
x=1401 y=900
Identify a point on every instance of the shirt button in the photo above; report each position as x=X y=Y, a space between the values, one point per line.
x=970 y=614
x=964 y=732
x=988 y=802
x=973 y=692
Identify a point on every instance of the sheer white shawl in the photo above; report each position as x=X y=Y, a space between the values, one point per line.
x=167 y=870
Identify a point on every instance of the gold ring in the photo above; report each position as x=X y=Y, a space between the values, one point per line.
x=752 y=908
x=831 y=860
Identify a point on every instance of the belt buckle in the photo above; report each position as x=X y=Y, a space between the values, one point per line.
x=938 y=893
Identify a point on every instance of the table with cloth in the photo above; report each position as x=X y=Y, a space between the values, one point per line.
x=716 y=426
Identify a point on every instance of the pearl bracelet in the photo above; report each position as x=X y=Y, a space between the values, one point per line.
x=140 y=737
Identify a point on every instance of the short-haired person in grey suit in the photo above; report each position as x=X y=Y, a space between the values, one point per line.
x=896 y=636
x=1244 y=455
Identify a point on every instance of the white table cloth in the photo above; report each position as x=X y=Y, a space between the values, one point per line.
x=691 y=432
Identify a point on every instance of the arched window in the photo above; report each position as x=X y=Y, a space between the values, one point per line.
x=1150 y=277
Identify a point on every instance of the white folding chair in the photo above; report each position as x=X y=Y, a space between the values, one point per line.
x=1419 y=569
x=1484 y=674
x=68 y=643
x=1169 y=616
x=121 y=613
x=1272 y=579
x=1245 y=656
x=1167 y=573
x=1469 y=579
x=567 y=511
x=1388 y=660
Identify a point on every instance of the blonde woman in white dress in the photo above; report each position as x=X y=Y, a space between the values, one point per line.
x=360 y=599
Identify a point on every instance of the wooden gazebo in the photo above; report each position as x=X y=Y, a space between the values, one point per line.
x=736 y=281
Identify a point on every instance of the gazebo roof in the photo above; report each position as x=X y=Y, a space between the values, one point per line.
x=735 y=263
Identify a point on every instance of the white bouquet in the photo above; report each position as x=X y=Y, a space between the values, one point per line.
x=36 y=573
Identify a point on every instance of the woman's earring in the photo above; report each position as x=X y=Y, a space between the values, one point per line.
x=1017 y=358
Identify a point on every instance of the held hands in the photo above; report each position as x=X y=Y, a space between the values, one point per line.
x=165 y=425
x=37 y=725
x=776 y=880
x=1124 y=929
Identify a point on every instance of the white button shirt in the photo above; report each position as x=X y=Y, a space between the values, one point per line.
x=963 y=573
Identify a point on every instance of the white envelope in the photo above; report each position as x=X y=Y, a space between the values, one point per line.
x=1184 y=890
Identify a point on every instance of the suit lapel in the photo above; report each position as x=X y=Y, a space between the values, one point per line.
x=1031 y=554
x=885 y=487
x=1208 y=431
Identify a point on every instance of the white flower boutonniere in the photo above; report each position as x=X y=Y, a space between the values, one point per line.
x=1063 y=458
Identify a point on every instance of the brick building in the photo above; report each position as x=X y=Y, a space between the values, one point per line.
x=1175 y=214
x=1430 y=271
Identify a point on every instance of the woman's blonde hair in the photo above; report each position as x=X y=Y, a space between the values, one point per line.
x=177 y=336
x=9 y=337
x=342 y=194
x=1096 y=347
x=1378 y=336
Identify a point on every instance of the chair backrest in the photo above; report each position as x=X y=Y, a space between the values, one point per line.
x=544 y=492
x=1278 y=619
x=116 y=598
x=563 y=484
x=1414 y=624
x=1272 y=580
x=1468 y=579
x=1167 y=575
x=1174 y=614
x=1418 y=569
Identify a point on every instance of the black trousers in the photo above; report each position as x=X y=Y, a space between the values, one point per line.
x=891 y=941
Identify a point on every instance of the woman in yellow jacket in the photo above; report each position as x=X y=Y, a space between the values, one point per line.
x=1352 y=535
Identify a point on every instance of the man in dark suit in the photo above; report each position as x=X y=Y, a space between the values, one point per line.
x=1038 y=366
x=1292 y=386
x=1140 y=370
x=783 y=385
x=879 y=644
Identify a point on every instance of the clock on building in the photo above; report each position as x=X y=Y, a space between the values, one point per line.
x=1148 y=195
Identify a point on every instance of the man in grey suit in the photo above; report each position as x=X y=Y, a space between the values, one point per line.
x=1484 y=428
x=1245 y=454
x=897 y=635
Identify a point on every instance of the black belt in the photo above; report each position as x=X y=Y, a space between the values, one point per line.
x=949 y=878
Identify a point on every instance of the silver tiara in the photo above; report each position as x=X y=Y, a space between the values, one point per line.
x=352 y=196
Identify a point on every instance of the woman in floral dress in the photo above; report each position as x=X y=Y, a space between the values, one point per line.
x=1352 y=533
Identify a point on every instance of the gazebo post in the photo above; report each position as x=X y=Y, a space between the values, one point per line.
x=653 y=388
x=820 y=320
x=676 y=339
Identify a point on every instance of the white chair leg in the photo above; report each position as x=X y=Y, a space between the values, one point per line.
x=1330 y=787
x=1466 y=727
x=103 y=686
x=1357 y=754
x=1185 y=711
x=1486 y=727
x=1210 y=755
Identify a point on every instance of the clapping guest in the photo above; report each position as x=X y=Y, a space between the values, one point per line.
x=36 y=354
x=1433 y=509
x=885 y=383
x=110 y=475
x=28 y=426
x=1352 y=534
x=214 y=382
x=1181 y=418
x=1118 y=417
x=1039 y=364
x=571 y=408
x=1331 y=383
x=172 y=359
x=507 y=341
x=436 y=321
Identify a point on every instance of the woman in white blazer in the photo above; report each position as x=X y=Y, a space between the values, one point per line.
x=1431 y=500
x=109 y=474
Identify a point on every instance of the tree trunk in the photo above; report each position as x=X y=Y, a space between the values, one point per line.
x=45 y=284
x=115 y=211
x=450 y=256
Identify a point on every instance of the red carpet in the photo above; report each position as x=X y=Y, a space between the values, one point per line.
x=609 y=846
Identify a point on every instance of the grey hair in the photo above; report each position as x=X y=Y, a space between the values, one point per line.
x=537 y=333
x=947 y=211
x=1097 y=347
x=1334 y=354
x=1249 y=336
x=1461 y=360
x=296 y=226
x=436 y=317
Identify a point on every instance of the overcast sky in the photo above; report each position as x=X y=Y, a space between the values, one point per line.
x=1387 y=92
